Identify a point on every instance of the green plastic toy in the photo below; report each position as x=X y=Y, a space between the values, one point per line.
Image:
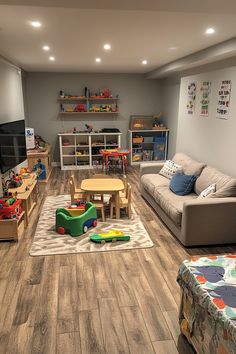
x=110 y=236
x=76 y=225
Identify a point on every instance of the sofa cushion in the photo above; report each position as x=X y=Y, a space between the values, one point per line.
x=169 y=169
x=228 y=190
x=151 y=181
x=190 y=166
x=209 y=176
x=182 y=184
x=171 y=203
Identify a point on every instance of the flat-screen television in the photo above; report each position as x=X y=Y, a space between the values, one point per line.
x=12 y=145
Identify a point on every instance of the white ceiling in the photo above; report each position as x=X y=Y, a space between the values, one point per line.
x=136 y=30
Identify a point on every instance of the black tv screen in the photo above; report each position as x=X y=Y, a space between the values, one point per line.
x=12 y=145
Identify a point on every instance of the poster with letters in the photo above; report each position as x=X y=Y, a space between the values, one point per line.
x=191 y=97
x=224 y=99
x=205 y=98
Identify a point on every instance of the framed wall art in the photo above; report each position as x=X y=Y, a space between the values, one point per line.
x=191 y=97
x=224 y=99
x=205 y=98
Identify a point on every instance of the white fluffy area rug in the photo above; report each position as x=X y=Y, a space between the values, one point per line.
x=48 y=242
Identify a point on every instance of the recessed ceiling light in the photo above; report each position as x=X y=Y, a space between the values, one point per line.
x=144 y=62
x=210 y=30
x=98 y=60
x=36 y=24
x=107 y=46
x=52 y=58
x=172 y=48
x=46 y=47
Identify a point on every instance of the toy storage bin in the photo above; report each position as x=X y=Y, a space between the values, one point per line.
x=148 y=139
x=159 y=139
x=158 y=155
x=147 y=155
x=137 y=156
x=137 y=139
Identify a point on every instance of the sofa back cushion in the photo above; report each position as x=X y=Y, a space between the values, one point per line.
x=209 y=176
x=189 y=166
x=228 y=190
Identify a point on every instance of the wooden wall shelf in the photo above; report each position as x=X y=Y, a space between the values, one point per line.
x=96 y=103
x=71 y=113
x=88 y=99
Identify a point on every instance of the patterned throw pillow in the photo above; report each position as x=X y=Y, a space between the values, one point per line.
x=169 y=169
x=209 y=190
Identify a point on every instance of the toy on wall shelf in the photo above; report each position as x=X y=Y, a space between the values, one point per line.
x=40 y=170
x=80 y=107
x=76 y=225
x=110 y=236
x=89 y=128
x=106 y=93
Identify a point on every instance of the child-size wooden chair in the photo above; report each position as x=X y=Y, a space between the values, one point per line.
x=99 y=196
x=75 y=192
x=123 y=193
x=125 y=202
x=100 y=206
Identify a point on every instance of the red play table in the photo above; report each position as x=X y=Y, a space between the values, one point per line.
x=118 y=153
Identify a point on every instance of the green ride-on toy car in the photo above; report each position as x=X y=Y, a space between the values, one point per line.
x=76 y=225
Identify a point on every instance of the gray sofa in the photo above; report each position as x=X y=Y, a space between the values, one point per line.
x=194 y=221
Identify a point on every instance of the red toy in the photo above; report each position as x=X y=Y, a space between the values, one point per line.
x=106 y=93
x=10 y=208
x=80 y=108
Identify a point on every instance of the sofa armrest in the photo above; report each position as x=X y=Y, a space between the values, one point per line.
x=209 y=221
x=148 y=168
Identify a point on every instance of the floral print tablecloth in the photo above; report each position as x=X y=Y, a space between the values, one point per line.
x=208 y=305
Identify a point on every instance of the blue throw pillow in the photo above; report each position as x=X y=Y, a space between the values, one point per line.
x=182 y=184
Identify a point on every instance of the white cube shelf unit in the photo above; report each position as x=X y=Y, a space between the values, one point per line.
x=148 y=145
x=82 y=150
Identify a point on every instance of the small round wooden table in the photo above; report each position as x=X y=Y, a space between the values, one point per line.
x=111 y=186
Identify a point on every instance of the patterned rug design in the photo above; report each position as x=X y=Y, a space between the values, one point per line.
x=48 y=242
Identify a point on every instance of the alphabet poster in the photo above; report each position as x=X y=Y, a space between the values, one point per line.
x=224 y=99
x=205 y=99
x=191 y=97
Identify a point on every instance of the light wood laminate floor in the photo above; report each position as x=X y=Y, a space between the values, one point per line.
x=114 y=302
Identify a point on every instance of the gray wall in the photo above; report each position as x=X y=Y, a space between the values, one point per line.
x=11 y=95
x=170 y=106
x=137 y=96
x=207 y=138
x=170 y=95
